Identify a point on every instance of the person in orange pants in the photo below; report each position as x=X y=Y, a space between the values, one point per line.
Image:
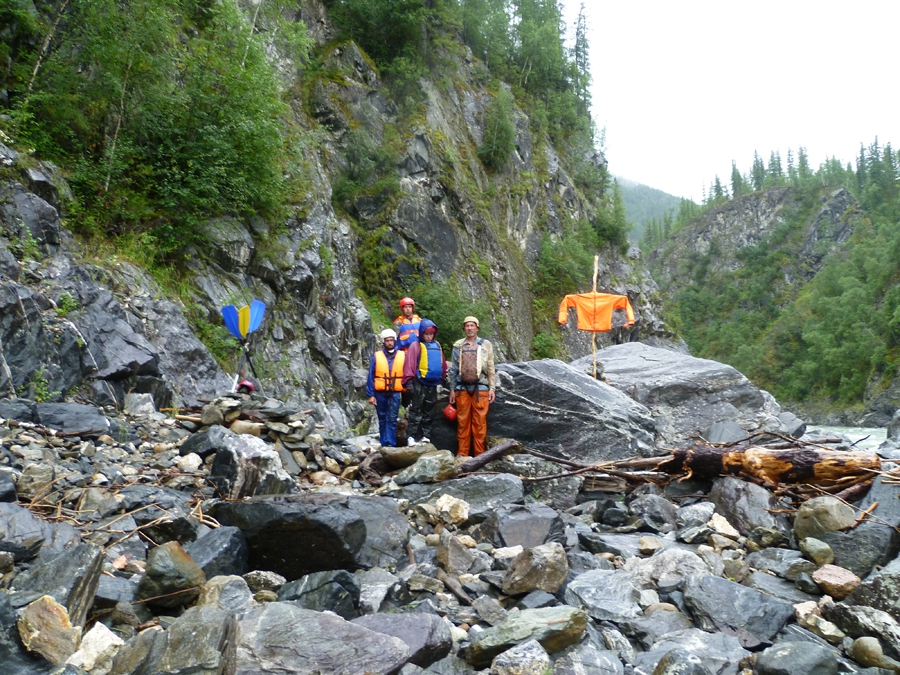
x=472 y=379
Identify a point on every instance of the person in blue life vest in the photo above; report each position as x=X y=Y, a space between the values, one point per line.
x=424 y=369
x=384 y=385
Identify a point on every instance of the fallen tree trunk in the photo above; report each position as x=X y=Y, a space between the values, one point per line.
x=773 y=467
x=506 y=447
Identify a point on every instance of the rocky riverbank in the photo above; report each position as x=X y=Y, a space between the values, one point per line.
x=243 y=538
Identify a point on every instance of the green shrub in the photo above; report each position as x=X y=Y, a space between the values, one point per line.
x=447 y=307
x=546 y=346
x=499 y=131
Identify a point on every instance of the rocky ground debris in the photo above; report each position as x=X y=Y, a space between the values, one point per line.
x=146 y=542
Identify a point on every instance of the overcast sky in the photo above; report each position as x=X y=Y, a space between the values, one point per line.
x=683 y=88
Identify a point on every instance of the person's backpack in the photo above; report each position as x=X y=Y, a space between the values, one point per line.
x=469 y=362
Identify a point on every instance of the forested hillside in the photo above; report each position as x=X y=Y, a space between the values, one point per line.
x=325 y=157
x=646 y=206
x=793 y=276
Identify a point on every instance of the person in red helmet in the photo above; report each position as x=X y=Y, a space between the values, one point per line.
x=407 y=324
x=407 y=328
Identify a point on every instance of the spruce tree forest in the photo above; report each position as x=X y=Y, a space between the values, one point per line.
x=826 y=342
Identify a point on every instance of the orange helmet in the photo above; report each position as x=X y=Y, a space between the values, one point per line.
x=407 y=301
x=450 y=413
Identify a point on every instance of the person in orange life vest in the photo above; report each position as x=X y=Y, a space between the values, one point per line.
x=424 y=369
x=384 y=385
x=407 y=324
x=472 y=378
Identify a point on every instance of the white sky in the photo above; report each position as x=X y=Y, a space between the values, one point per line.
x=683 y=88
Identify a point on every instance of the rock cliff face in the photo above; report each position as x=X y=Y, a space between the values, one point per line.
x=102 y=330
x=720 y=234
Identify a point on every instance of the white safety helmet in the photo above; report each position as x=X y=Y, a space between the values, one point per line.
x=388 y=333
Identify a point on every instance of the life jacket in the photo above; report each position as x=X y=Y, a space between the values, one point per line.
x=407 y=330
x=470 y=362
x=389 y=377
x=431 y=365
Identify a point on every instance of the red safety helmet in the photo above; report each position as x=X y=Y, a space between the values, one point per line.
x=245 y=387
x=407 y=301
x=450 y=413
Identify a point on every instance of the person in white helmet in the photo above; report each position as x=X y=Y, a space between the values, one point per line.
x=384 y=386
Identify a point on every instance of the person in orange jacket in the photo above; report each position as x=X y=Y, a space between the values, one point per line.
x=472 y=379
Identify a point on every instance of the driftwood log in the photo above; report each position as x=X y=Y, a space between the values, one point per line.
x=504 y=448
x=773 y=466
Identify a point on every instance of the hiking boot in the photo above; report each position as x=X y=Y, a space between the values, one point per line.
x=411 y=441
x=425 y=439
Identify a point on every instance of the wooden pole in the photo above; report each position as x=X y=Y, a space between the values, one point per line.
x=594 y=335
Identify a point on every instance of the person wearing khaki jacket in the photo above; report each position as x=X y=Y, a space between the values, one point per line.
x=472 y=381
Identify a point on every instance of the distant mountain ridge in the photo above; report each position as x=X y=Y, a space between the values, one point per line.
x=643 y=202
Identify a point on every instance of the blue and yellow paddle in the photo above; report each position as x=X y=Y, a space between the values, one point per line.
x=241 y=323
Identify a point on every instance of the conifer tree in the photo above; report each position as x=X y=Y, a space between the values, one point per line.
x=718 y=193
x=582 y=62
x=737 y=182
x=758 y=172
x=791 y=169
x=803 y=171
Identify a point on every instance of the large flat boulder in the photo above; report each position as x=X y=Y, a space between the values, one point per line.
x=299 y=534
x=548 y=405
x=685 y=395
x=281 y=637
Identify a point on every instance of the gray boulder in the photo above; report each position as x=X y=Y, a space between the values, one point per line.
x=649 y=629
x=686 y=395
x=796 y=658
x=220 y=552
x=718 y=652
x=862 y=548
x=859 y=621
x=350 y=532
x=484 y=494
x=722 y=605
x=526 y=526
x=893 y=429
x=71 y=578
x=586 y=657
x=888 y=497
x=540 y=568
x=281 y=637
x=820 y=515
x=27 y=536
x=195 y=643
x=745 y=505
x=246 y=466
x=71 y=418
x=171 y=578
x=426 y=635
x=607 y=595
x=547 y=404
x=657 y=512
x=881 y=591
x=554 y=627
x=333 y=591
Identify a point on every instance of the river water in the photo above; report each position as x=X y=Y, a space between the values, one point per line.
x=873 y=437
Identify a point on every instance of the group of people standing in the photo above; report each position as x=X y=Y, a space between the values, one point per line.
x=410 y=366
